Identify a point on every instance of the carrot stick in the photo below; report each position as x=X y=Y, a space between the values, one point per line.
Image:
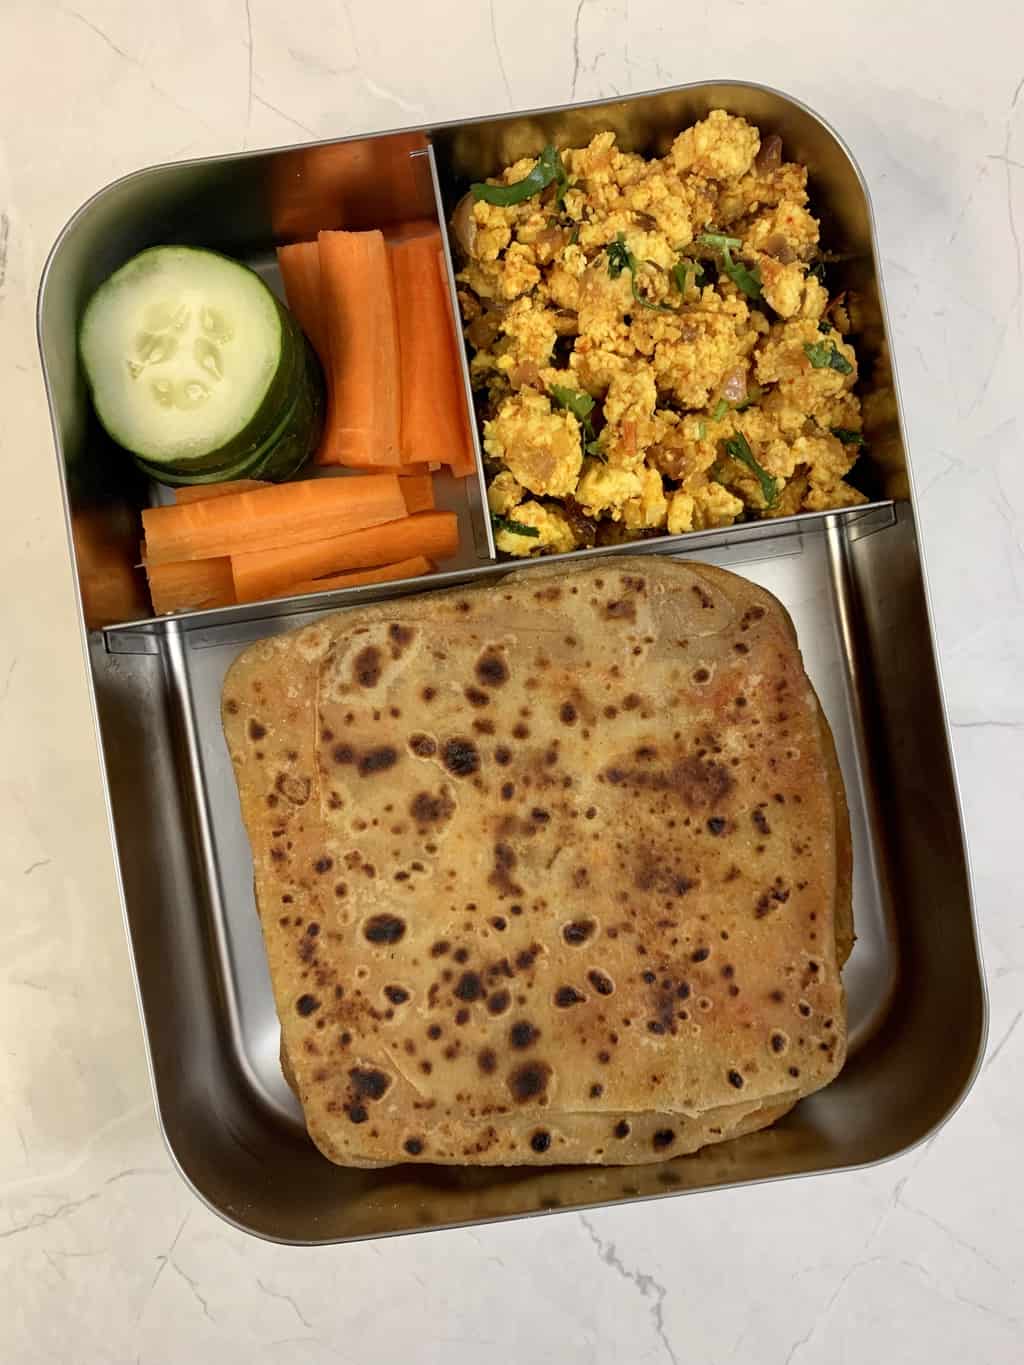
x=111 y=594
x=464 y=461
x=284 y=514
x=432 y=414
x=434 y=535
x=418 y=491
x=356 y=184
x=300 y=273
x=387 y=573
x=412 y=227
x=364 y=406
x=199 y=492
x=190 y=585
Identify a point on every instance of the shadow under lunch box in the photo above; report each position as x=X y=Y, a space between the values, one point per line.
x=852 y=580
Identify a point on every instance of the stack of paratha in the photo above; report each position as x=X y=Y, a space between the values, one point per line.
x=553 y=870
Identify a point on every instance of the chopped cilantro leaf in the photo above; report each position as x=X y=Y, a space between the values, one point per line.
x=620 y=258
x=702 y=429
x=848 y=436
x=824 y=327
x=823 y=355
x=719 y=411
x=548 y=168
x=718 y=240
x=580 y=404
x=745 y=278
x=514 y=528
x=738 y=448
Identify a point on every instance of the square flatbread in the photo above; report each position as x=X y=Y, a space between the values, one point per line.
x=551 y=870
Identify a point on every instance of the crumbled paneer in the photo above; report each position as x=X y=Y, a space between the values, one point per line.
x=504 y=493
x=635 y=317
x=719 y=147
x=555 y=534
x=603 y=488
x=540 y=447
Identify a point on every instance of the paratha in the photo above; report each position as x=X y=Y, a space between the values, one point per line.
x=552 y=870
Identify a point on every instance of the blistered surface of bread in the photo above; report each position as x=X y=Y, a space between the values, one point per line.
x=554 y=870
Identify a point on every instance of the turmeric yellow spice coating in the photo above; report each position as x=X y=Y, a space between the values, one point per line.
x=656 y=351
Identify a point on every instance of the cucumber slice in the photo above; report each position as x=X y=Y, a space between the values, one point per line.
x=191 y=360
x=283 y=454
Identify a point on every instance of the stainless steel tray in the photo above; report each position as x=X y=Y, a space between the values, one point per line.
x=853 y=582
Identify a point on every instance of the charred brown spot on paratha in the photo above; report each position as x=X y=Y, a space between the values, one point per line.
x=461 y=757
x=366 y=666
x=398 y=995
x=498 y=1002
x=695 y=782
x=540 y=1141
x=487 y=1060
x=505 y=860
x=377 y=760
x=414 y=1146
x=663 y=1137
x=423 y=746
x=620 y=609
x=369 y=1082
x=567 y=996
x=469 y=987
x=426 y=808
x=384 y=929
x=400 y=637
x=491 y=669
x=522 y=1035
x=529 y=1081
x=476 y=696
x=257 y=730
x=601 y=982
x=307 y=1004
x=578 y=932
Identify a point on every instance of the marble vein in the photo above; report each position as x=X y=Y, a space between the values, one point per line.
x=249 y=52
x=576 y=47
x=497 y=53
x=285 y=1298
x=288 y=118
x=138 y=65
x=993 y=1055
x=646 y=1285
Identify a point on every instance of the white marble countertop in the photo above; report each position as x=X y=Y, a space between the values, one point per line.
x=106 y=1255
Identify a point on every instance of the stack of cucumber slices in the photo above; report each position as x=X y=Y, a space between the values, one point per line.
x=199 y=372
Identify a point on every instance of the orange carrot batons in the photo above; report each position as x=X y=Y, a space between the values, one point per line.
x=283 y=514
x=434 y=535
x=387 y=573
x=364 y=405
x=300 y=273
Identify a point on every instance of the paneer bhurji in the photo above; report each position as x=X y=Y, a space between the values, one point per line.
x=652 y=343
